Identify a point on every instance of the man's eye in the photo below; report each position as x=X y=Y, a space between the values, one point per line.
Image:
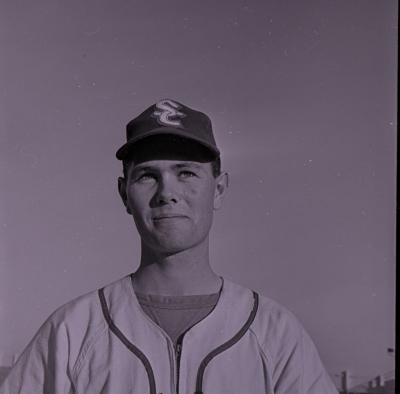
x=148 y=177
x=187 y=174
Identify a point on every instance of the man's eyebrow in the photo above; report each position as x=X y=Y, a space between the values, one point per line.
x=177 y=166
x=188 y=164
x=140 y=168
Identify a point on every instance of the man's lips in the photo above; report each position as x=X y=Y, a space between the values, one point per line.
x=169 y=216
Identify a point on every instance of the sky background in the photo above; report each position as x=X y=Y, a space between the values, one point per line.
x=303 y=102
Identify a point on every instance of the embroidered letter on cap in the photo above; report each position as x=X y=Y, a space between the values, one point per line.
x=168 y=110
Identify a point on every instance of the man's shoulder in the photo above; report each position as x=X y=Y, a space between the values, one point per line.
x=269 y=310
x=274 y=323
x=85 y=310
x=76 y=324
x=276 y=314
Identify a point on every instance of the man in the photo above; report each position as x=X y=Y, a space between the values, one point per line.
x=174 y=326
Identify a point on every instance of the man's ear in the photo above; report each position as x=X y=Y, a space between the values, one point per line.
x=122 y=193
x=222 y=183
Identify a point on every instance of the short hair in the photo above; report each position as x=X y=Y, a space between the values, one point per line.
x=215 y=167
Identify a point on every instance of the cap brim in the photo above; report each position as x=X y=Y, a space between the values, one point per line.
x=126 y=150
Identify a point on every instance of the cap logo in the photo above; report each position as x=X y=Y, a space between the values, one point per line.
x=168 y=112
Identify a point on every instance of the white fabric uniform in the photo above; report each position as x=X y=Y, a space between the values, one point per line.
x=93 y=345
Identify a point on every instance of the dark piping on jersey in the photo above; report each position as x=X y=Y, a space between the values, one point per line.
x=225 y=346
x=135 y=350
x=200 y=372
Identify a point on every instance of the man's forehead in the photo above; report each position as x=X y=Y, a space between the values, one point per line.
x=168 y=164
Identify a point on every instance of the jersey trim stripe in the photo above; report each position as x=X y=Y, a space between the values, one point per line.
x=225 y=346
x=134 y=349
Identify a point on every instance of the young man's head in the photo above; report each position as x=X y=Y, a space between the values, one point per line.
x=172 y=177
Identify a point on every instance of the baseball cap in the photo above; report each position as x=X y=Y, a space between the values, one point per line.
x=169 y=117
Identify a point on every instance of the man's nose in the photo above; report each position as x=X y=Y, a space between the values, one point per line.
x=167 y=191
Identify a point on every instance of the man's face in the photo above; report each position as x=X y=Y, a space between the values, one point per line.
x=172 y=201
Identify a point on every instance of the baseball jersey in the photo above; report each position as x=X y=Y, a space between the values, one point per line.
x=103 y=343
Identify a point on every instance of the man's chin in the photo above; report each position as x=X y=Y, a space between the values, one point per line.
x=169 y=245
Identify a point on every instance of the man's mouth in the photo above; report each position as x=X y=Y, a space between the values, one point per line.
x=166 y=217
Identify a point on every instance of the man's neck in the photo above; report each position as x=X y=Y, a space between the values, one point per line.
x=184 y=273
